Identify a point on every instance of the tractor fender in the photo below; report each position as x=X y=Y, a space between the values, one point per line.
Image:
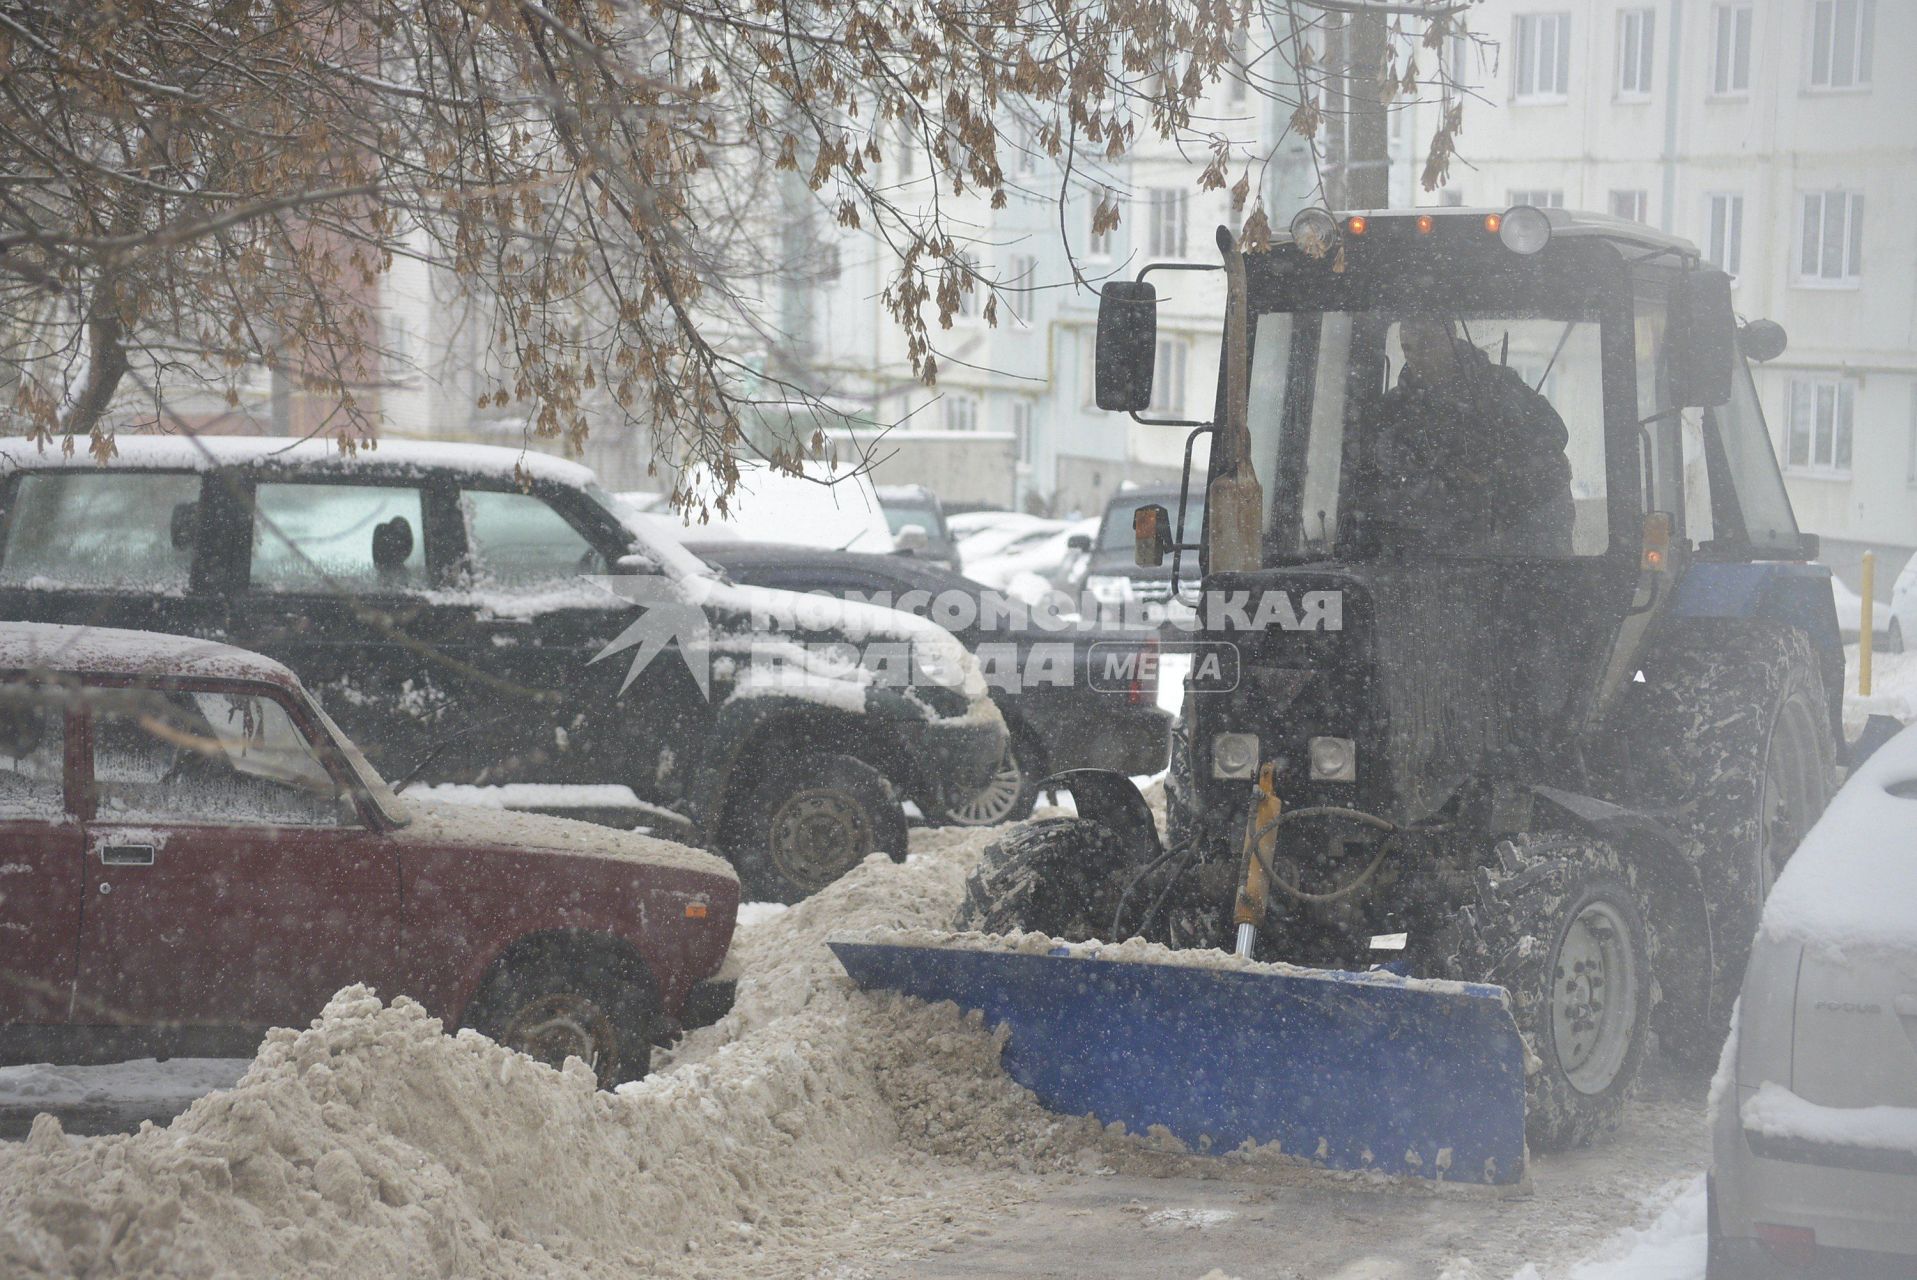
x=1668 y=881
x=1108 y=797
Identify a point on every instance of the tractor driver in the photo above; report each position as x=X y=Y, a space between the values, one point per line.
x=1465 y=455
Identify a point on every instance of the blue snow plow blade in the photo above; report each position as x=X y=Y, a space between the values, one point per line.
x=1346 y=1070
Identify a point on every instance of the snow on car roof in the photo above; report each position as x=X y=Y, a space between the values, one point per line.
x=1852 y=881
x=200 y=453
x=39 y=646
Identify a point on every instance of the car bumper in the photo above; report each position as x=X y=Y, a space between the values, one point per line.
x=1861 y=1217
x=1106 y=732
x=955 y=758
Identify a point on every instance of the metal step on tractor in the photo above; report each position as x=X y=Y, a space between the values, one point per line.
x=1518 y=687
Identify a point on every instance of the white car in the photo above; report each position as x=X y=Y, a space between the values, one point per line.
x=1814 y=1109
x=1850 y=616
x=1903 y=607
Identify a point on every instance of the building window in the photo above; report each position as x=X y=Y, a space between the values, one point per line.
x=1168 y=378
x=1544 y=57
x=960 y=411
x=1724 y=242
x=1022 y=429
x=1634 y=46
x=1630 y=204
x=1841 y=34
x=1820 y=425
x=1098 y=244
x=1025 y=147
x=1731 y=49
x=1238 y=71
x=1537 y=199
x=1166 y=236
x=1833 y=237
x=972 y=290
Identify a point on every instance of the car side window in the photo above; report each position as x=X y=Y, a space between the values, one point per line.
x=32 y=756
x=352 y=537
x=517 y=540
x=229 y=759
x=101 y=528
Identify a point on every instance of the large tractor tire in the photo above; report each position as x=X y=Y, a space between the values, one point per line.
x=1731 y=730
x=1047 y=876
x=1559 y=924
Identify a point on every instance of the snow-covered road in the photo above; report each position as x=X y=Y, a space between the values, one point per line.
x=815 y=1131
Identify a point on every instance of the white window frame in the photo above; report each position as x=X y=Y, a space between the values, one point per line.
x=1730 y=64
x=1821 y=46
x=1168 y=222
x=1541 y=67
x=1169 y=367
x=1536 y=197
x=1814 y=210
x=1724 y=231
x=1639 y=200
x=958 y=411
x=1809 y=400
x=1636 y=53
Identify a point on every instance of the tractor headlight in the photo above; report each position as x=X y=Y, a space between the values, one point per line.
x=1234 y=755
x=1524 y=229
x=1334 y=760
x=1315 y=230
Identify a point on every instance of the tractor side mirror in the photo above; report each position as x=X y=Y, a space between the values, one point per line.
x=1703 y=340
x=1151 y=536
x=1762 y=340
x=1079 y=542
x=1127 y=345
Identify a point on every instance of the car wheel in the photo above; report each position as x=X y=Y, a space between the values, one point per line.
x=812 y=820
x=555 y=1005
x=1011 y=793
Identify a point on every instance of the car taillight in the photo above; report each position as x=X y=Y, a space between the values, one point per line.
x=1143 y=689
x=1793 y=1246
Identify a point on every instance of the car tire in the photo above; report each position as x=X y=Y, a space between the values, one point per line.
x=1043 y=877
x=1733 y=730
x=1582 y=999
x=1013 y=791
x=812 y=818
x=588 y=1003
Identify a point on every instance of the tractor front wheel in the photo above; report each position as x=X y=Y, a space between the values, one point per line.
x=1558 y=923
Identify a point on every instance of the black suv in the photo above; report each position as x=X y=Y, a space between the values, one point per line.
x=438 y=600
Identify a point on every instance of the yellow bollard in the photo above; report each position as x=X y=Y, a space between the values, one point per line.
x=1866 y=623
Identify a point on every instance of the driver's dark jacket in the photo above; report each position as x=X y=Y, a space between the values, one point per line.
x=1480 y=452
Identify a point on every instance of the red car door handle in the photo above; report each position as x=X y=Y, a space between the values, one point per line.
x=126 y=855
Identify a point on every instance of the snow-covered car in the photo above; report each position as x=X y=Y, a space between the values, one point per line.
x=913 y=506
x=1850 y=616
x=1814 y=1109
x=489 y=616
x=1902 y=613
x=192 y=852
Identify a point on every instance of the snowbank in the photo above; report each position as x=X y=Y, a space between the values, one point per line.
x=1893 y=689
x=1670 y=1247
x=1850 y=884
x=811 y=1122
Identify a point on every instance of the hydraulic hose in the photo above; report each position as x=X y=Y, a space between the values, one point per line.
x=1385 y=846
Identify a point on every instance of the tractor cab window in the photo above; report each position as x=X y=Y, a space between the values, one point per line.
x=1407 y=434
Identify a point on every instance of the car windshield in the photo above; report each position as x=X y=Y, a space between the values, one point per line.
x=909 y=514
x=653 y=534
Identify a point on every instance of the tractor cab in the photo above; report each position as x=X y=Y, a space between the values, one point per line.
x=1496 y=440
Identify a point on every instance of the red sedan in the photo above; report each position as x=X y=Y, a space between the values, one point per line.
x=191 y=851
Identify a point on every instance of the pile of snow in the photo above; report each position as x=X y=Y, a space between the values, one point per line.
x=1669 y=1247
x=1893 y=689
x=1849 y=885
x=1777 y=1112
x=813 y=1121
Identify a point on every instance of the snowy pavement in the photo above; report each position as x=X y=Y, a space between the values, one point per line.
x=815 y=1131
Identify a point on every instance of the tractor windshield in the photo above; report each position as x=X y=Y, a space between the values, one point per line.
x=1462 y=433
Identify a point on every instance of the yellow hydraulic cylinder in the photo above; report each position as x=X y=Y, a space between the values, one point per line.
x=1249 y=910
x=1866 y=622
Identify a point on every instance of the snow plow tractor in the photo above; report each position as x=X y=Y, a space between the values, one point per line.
x=1513 y=686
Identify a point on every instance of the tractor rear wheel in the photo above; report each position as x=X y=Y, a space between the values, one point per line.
x=1559 y=924
x=1731 y=728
